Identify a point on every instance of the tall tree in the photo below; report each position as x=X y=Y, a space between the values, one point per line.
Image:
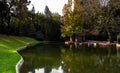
x=89 y=16
x=103 y=15
x=3 y=10
x=47 y=27
x=47 y=12
x=109 y=18
x=66 y=28
x=22 y=15
x=52 y=25
x=56 y=26
x=7 y=10
x=98 y=15
x=70 y=21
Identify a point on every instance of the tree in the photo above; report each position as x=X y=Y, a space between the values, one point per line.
x=31 y=23
x=3 y=10
x=14 y=21
x=109 y=19
x=47 y=27
x=52 y=25
x=99 y=16
x=7 y=11
x=66 y=27
x=47 y=12
x=56 y=26
x=21 y=12
x=11 y=9
x=89 y=17
x=70 y=21
x=115 y=12
x=39 y=25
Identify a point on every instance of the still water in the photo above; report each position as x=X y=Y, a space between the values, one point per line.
x=60 y=58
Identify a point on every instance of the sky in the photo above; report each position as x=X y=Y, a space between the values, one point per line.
x=54 y=5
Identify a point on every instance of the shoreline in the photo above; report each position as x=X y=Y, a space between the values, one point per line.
x=92 y=42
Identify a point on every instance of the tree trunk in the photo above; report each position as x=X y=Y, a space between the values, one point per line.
x=71 y=39
x=109 y=36
x=8 y=27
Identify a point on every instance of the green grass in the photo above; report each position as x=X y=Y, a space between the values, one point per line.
x=8 y=55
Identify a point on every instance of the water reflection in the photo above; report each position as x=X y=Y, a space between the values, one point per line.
x=38 y=71
x=59 y=70
x=59 y=58
x=42 y=70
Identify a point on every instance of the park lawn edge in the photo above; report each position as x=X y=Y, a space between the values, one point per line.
x=8 y=54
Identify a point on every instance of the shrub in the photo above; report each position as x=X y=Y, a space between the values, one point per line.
x=118 y=38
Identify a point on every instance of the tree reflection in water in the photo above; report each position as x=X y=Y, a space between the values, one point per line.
x=58 y=58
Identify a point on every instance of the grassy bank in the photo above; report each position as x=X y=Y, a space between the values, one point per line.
x=8 y=55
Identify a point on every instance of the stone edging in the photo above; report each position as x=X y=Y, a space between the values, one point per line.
x=20 y=62
x=18 y=65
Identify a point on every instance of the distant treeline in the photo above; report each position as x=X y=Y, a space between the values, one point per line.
x=16 y=19
x=87 y=19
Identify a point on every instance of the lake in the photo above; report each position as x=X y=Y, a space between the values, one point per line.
x=60 y=58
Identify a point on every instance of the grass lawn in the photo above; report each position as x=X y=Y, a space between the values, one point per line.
x=8 y=55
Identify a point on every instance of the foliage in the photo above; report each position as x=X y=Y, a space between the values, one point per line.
x=16 y=19
x=70 y=25
x=9 y=9
x=108 y=19
x=86 y=17
x=91 y=17
x=47 y=12
x=52 y=25
x=13 y=25
x=118 y=38
x=70 y=21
